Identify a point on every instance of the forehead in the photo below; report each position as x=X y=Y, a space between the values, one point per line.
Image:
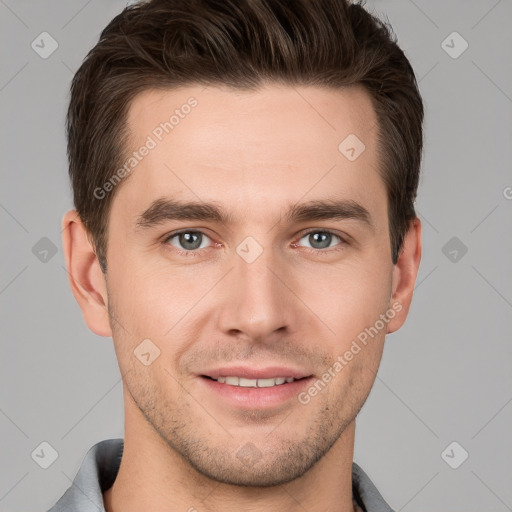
x=275 y=144
x=306 y=114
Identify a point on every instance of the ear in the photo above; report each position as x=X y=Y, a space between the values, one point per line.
x=404 y=275
x=86 y=279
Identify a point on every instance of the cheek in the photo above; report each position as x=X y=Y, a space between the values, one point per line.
x=347 y=298
x=152 y=298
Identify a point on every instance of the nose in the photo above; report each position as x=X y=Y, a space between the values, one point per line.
x=258 y=299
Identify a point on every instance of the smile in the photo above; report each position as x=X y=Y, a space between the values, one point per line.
x=254 y=383
x=252 y=391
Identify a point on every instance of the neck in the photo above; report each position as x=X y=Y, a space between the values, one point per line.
x=153 y=476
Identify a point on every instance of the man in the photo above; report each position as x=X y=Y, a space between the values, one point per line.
x=244 y=176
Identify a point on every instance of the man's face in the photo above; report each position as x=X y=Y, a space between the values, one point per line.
x=261 y=293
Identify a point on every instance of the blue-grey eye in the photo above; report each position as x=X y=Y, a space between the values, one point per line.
x=189 y=240
x=320 y=239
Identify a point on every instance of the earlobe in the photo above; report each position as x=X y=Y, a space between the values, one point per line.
x=404 y=275
x=84 y=273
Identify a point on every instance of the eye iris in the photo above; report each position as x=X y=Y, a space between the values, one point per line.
x=320 y=237
x=190 y=240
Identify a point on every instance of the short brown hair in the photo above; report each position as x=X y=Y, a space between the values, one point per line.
x=241 y=44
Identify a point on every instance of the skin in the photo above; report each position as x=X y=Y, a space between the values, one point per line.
x=255 y=153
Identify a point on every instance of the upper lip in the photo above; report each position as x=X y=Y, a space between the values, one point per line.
x=247 y=372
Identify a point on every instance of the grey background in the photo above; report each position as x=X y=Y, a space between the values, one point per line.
x=445 y=376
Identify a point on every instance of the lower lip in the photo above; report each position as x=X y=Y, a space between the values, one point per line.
x=257 y=398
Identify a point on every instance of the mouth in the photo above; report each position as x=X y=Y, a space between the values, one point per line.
x=244 y=382
x=250 y=388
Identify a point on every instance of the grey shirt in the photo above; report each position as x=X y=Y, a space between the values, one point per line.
x=101 y=464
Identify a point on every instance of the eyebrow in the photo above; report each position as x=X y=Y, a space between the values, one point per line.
x=163 y=209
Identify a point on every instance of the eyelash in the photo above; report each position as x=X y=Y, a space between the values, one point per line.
x=197 y=252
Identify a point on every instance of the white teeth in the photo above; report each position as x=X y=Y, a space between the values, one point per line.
x=248 y=383
x=267 y=383
x=254 y=383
